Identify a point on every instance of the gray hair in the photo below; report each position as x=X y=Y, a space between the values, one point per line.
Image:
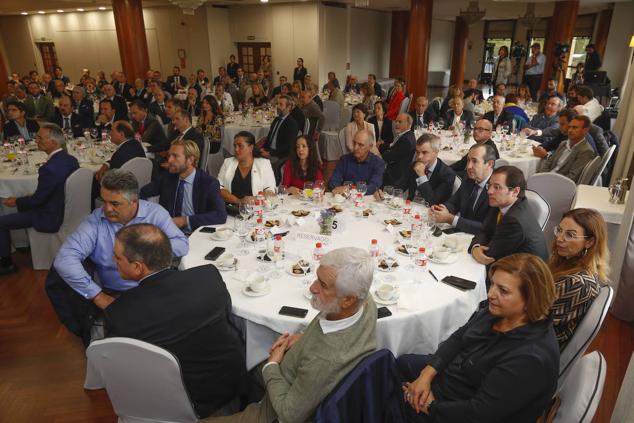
x=123 y=182
x=79 y=89
x=146 y=243
x=354 y=268
x=432 y=139
x=55 y=133
x=368 y=136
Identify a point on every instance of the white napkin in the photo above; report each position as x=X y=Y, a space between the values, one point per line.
x=390 y=229
x=407 y=298
x=246 y=276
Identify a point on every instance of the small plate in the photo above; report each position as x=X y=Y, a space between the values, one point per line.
x=379 y=301
x=289 y=270
x=399 y=251
x=451 y=258
x=393 y=222
x=217 y=237
x=300 y=213
x=225 y=268
x=389 y=270
x=249 y=293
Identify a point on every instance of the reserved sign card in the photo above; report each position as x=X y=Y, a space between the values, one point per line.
x=312 y=237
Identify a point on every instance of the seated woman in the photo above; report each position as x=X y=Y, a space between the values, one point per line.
x=368 y=96
x=458 y=115
x=359 y=113
x=501 y=366
x=383 y=130
x=302 y=166
x=511 y=106
x=296 y=88
x=523 y=95
x=211 y=118
x=241 y=177
x=578 y=76
x=258 y=99
x=398 y=95
x=579 y=262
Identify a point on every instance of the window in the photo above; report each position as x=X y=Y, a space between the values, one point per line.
x=250 y=55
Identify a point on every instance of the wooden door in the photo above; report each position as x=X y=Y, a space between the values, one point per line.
x=250 y=55
x=49 y=56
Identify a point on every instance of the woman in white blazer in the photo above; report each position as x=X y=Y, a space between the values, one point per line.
x=241 y=177
x=359 y=113
x=502 y=67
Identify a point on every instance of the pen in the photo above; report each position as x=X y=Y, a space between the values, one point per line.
x=432 y=275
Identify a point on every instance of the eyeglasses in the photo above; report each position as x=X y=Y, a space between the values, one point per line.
x=567 y=235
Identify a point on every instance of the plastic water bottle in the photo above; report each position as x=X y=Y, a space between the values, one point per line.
x=257 y=209
x=374 y=248
x=104 y=136
x=259 y=231
x=417 y=224
x=262 y=198
x=421 y=258
x=407 y=208
x=278 y=248
x=318 y=252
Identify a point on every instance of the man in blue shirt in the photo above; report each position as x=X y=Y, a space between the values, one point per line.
x=94 y=240
x=542 y=124
x=360 y=165
x=534 y=70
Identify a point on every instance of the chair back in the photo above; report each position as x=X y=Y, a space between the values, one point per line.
x=581 y=394
x=77 y=199
x=142 y=169
x=204 y=155
x=342 y=141
x=585 y=332
x=456 y=185
x=558 y=191
x=500 y=163
x=624 y=407
x=332 y=111
x=539 y=207
x=604 y=163
x=143 y=381
x=346 y=117
x=362 y=395
x=588 y=171
x=405 y=104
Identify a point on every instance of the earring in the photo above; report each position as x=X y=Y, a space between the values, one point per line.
x=585 y=251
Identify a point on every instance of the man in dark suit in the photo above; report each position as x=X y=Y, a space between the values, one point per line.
x=190 y=196
x=398 y=155
x=65 y=118
x=44 y=210
x=184 y=131
x=278 y=90
x=283 y=132
x=430 y=177
x=421 y=116
x=457 y=114
x=482 y=135
x=37 y=104
x=176 y=81
x=18 y=124
x=118 y=103
x=83 y=107
x=512 y=228
x=498 y=116
x=121 y=86
x=146 y=126
x=185 y=312
x=312 y=87
x=378 y=90
x=158 y=107
x=469 y=206
x=106 y=117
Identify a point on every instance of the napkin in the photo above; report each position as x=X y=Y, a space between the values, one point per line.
x=246 y=276
x=407 y=298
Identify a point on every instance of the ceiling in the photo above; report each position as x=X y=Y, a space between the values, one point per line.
x=445 y=9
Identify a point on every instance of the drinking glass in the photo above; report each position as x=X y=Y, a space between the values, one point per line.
x=308 y=190
x=347 y=186
x=388 y=193
x=304 y=263
x=245 y=209
x=274 y=255
x=242 y=229
x=281 y=194
x=362 y=187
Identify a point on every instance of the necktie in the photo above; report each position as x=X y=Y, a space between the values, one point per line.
x=162 y=108
x=421 y=121
x=427 y=173
x=276 y=127
x=66 y=123
x=500 y=216
x=178 y=203
x=142 y=127
x=473 y=197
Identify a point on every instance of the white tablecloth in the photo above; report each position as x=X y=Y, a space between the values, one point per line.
x=438 y=309
x=230 y=131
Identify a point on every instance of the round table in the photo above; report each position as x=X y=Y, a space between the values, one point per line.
x=426 y=313
x=232 y=127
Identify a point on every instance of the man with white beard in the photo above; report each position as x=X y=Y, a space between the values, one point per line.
x=303 y=368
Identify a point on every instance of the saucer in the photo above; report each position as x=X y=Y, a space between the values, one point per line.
x=451 y=258
x=221 y=234
x=249 y=293
x=380 y=301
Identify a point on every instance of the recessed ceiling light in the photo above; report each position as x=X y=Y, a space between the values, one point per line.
x=23 y=13
x=60 y=11
x=41 y=12
x=102 y=8
x=80 y=10
x=264 y=1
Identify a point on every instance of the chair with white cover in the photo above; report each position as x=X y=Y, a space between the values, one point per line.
x=342 y=141
x=558 y=191
x=204 y=155
x=539 y=206
x=500 y=163
x=456 y=185
x=141 y=167
x=44 y=246
x=588 y=171
x=581 y=394
x=584 y=333
x=405 y=104
x=624 y=407
x=144 y=382
x=596 y=178
x=332 y=112
x=346 y=117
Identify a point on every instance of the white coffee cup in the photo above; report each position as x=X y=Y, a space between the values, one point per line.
x=224 y=233
x=257 y=284
x=441 y=253
x=386 y=292
x=338 y=198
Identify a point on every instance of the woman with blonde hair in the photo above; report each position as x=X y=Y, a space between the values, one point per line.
x=579 y=264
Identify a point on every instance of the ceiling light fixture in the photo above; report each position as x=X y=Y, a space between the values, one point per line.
x=24 y=13
x=41 y=12
x=60 y=11
x=80 y=10
x=101 y=8
x=473 y=13
x=188 y=6
x=264 y=1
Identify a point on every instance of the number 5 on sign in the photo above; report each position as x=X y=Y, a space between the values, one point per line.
x=338 y=226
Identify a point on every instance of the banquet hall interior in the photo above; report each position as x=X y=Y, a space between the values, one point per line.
x=443 y=55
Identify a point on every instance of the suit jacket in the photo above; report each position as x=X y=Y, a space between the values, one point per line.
x=11 y=128
x=86 y=113
x=156 y=111
x=122 y=89
x=398 y=158
x=299 y=117
x=75 y=122
x=428 y=116
x=187 y=313
x=506 y=118
x=317 y=99
x=316 y=117
x=378 y=90
x=190 y=134
x=153 y=132
x=209 y=208
x=285 y=136
x=466 y=118
x=47 y=202
x=580 y=155
x=42 y=107
x=120 y=108
x=171 y=83
x=127 y=151
x=461 y=165
x=438 y=187
x=471 y=214
x=517 y=232
x=387 y=130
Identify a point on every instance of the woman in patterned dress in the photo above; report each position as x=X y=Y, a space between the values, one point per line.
x=579 y=263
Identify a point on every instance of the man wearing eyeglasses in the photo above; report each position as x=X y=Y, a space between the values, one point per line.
x=481 y=135
x=513 y=227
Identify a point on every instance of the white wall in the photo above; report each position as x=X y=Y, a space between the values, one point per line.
x=475 y=47
x=617 y=52
x=220 y=45
x=441 y=44
x=332 y=52
x=370 y=43
x=19 y=48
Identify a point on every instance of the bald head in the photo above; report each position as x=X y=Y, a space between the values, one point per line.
x=498 y=104
x=403 y=122
x=362 y=142
x=141 y=249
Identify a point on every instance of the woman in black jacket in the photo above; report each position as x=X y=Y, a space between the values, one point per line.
x=383 y=130
x=502 y=366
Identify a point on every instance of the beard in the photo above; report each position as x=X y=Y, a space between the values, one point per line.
x=326 y=308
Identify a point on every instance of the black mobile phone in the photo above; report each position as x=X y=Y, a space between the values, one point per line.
x=383 y=312
x=208 y=229
x=450 y=231
x=293 y=311
x=460 y=283
x=215 y=253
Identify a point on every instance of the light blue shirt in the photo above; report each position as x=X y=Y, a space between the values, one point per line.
x=24 y=131
x=94 y=239
x=188 y=202
x=538 y=69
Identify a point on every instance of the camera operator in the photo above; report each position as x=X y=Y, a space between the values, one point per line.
x=534 y=70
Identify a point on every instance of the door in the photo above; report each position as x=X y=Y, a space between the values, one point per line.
x=250 y=55
x=49 y=56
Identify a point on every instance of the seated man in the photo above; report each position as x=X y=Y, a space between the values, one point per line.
x=66 y=119
x=83 y=107
x=146 y=125
x=422 y=116
x=481 y=135
x=312 y=112
x=189 y=195
x=106 y=116
x=573 y=154
x=458 y=115
x=513 y=227
x=469 y=206
x=187 y=313
x=18 y=125
x=498 y=116
x=398 y=154
x=118 y=103
x=550 y=138
x=430 y=177
x=542 y=124
x=592 y=107
x=303 y=368
x=551 y=91
x=37 y=104
x=283 y=132
x=44 y=210
x=360 y=165
x=352 y=87
x=183 y=131
x=94 y=240
x=472 y=93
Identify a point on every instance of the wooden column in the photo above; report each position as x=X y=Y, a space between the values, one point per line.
x=128 y=19
x=4 y=74
x=398 y=43
x=418 y=46
x=600 y=39
x=560 y=31
x=459 y=51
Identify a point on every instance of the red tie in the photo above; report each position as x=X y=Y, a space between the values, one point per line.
x=142 y=128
